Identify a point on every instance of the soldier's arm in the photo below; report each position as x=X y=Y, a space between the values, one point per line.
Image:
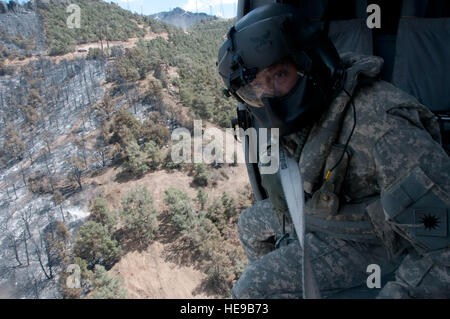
x=413 y=173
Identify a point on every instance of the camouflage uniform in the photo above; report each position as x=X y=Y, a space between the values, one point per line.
x=362 y=214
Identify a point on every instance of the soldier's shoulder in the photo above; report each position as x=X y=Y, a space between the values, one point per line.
x=382 y=107
x=379 y=97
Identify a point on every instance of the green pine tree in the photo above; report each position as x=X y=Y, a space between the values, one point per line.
x=101 y=214
x=136 y=162
x=95 y=245
x=139 y=215
x=106 y=286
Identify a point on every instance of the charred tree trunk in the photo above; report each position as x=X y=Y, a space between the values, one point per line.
x=26 y=248
x=38 y=253
x=50 y=174
x=22 y=172
x=62 y=213
x=14 y=188
x=15 y=249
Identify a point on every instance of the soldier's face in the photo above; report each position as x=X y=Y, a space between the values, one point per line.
x=276 y=80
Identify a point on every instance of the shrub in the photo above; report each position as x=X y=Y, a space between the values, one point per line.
x=192 y=224
x=95 y=54
x=181 y=211
x=126 y=129
x=201 y=175
x=127 y=71
x=23 y=43
x=221 y=210
x=153 y=155
x=230 y=209
x=124 y=119
x=224 y=265
x=31 y=114
x=155 y=92
x=216 y=279
x=13 y=146
x=116 y=51
x=95 y=245
x=57 y=47
x=139 y=215
x=202 y=198
x=136 y=160
x=106 y=286
x=39 y=183
x=202 y=230
x=215 y=214
x=168 y=163
x=155 y=132
x=101 y=214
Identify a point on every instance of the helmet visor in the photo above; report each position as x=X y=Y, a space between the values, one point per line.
x=273 y=81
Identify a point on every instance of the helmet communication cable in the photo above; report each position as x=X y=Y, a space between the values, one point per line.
x=330 y=172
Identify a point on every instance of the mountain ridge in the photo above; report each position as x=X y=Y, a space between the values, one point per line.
x=181 y=18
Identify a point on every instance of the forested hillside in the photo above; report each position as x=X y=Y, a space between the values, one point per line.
x=193 y=53
x=194 y=56
x=100 y=21
x=86 y=176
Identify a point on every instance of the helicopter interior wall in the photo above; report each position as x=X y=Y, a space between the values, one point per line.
x=399 y=48
x=351 y=9
x=421 y=57
x=358 y=40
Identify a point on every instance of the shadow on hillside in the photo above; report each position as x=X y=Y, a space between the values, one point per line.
x=125 y=177
x=208 y=289
x=129 y=245
x=100 y=171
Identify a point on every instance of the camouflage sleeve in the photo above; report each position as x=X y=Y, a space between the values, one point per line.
x=413 y=173
x=401 y=150
x=420 y=276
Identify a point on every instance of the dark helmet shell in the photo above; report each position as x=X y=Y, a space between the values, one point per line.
x=270 y=33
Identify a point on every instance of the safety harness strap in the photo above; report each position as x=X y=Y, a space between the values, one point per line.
x=292 y=184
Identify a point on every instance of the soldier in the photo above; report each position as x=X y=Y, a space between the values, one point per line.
x=375 y=176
